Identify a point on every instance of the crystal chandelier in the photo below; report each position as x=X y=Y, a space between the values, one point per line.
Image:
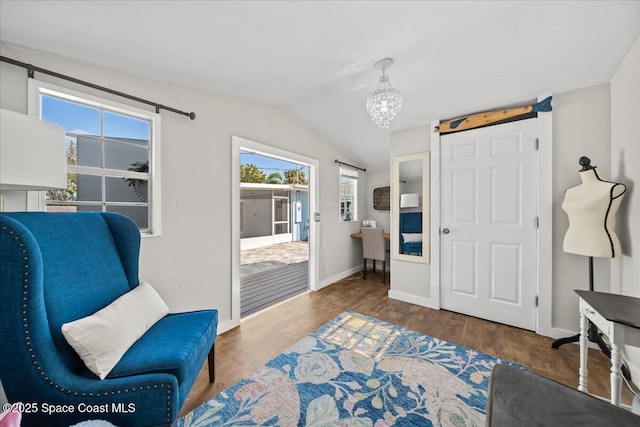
x=385 y=102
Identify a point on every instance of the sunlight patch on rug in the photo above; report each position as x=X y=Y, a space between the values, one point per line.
x=366 y=336
x=358 y=371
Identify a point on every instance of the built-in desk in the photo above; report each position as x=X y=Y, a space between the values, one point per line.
x=618 y=318
x=358 y=235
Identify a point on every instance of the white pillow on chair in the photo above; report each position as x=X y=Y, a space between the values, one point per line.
x=412 y=237
x=104 y=337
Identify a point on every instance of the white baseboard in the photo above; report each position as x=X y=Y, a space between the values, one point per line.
x=424 y=302
x=561 y=333
x=328 y=281
x=227 y=325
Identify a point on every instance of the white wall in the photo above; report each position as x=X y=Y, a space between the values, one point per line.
x=581 y=127
x=190 y=264
x=410 y=280
x=625 y=161
x=375 y=179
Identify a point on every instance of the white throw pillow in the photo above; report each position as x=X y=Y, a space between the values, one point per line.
x=104 y=337
x=412 y=237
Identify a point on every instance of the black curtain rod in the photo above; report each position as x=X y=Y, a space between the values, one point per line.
x=351 y=166
x=32 y=68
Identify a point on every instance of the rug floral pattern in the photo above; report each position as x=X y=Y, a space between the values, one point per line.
x=362 y=372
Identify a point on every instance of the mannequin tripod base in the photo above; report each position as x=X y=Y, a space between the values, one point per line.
x=595 y=337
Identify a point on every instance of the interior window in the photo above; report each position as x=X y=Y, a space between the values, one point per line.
x=109 y=158
x=348 y=194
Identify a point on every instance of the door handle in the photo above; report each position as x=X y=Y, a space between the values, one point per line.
x=445 y=231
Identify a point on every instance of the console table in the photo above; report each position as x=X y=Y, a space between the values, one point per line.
x=618 y=318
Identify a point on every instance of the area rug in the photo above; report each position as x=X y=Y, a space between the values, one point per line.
x=358 y=371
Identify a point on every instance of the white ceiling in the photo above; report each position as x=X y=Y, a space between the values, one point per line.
x=315 y=58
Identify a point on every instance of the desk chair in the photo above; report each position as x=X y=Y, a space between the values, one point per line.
x=373 y=248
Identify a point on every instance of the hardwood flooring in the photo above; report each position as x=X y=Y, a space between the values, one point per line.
x=264 y=335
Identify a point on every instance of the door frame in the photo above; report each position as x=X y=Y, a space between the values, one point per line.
x=238 y=143
x=545 y=215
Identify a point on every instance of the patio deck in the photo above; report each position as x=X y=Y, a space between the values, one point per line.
x=270 y=257
x=272 y=274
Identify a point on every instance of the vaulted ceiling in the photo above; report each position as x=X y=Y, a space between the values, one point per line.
x=315 y=58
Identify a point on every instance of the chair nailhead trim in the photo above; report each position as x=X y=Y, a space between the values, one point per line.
x=27 y=333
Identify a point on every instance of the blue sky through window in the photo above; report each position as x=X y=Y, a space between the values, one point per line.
x=83 y=119
x=270 y=165
x=72 y=117
x=119 y=126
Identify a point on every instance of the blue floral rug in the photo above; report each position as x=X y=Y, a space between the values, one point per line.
x=358 y=371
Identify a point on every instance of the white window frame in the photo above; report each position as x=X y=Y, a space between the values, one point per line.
x=274 y=223
x=353 y=175
x=36 y=88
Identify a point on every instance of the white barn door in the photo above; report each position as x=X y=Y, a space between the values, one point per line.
x=488 y=220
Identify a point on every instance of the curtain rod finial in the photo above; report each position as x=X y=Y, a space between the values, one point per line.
x=192 y=115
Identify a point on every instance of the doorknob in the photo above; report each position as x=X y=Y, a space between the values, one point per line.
x=445 y=231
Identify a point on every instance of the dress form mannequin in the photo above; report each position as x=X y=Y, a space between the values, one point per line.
x=591 y=207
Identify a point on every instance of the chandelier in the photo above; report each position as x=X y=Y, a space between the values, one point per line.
x=385 y=102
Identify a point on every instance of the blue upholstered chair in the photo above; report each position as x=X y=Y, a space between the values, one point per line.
x=410 y=223
x=59 y=267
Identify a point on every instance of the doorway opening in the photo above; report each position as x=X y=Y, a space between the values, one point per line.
x=272 y=234
x=274 y=230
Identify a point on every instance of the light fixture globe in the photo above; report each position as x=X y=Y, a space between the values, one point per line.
x=385 y=102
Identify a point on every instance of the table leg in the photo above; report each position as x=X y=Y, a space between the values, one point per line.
x=584 y=325
x=616 y=385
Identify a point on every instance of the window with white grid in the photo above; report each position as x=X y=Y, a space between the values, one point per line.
x=112 y=156
x=348 y=194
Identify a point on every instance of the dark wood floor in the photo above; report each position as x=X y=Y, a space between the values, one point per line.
x=263 y=336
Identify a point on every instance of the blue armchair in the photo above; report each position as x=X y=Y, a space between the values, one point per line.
x=410 y=223
x=59 y=267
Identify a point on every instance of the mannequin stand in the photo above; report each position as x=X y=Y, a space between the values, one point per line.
x=594 y=335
